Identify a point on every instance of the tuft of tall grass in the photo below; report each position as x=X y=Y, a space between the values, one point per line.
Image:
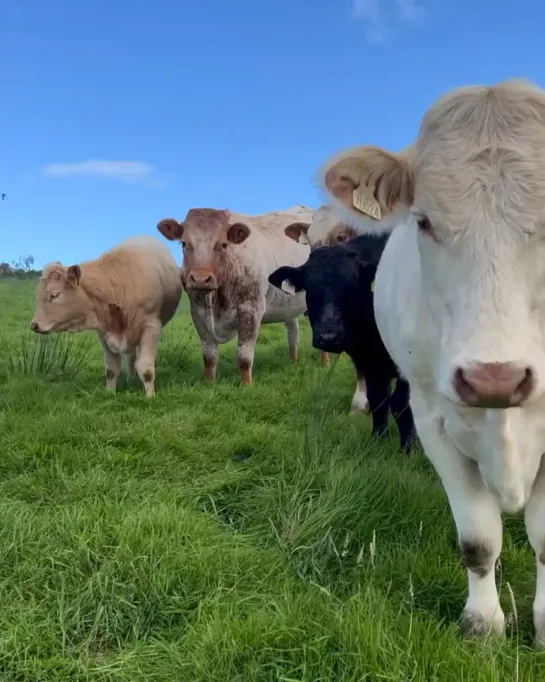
x=56 y=356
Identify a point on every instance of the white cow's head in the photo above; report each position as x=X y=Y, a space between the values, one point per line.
x=472 y=187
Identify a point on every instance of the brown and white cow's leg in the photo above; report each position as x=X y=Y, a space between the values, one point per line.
x=248 y=320
x=535 y=527
x=324 y=358
x=112 y=362
x=210 y=354
x=477 y=517
x=292 y=335
x=147 y=352
x=359 y=401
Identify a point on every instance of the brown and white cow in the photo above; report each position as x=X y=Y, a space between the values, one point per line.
x=227 y=259
x=128 y=295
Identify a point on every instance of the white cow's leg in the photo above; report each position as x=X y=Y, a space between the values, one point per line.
x=112 y=362
x=248 y=319
x=478 y=522
x=535 y=527
x=359 y=401
x=145 y=362
x=292 y=334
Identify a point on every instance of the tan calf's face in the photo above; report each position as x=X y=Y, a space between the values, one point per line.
x=207 y=239
x=60 y=306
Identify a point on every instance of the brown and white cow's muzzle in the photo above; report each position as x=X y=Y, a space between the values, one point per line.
x=201 y=279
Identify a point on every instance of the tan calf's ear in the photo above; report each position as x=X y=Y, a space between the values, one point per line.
x=369 y=180
x=170 y=229
x=73 y=275
x=237 y=233
x=297 y=232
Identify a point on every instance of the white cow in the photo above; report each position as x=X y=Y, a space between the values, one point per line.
x=460 y=305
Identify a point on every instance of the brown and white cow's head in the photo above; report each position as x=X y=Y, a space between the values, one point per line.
x=207 y=239
x=61 y=305
x=472 y=188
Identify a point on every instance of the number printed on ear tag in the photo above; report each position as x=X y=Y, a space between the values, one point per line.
x=364 y=202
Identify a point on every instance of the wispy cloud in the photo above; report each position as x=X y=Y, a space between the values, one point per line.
x=131 y=172
x=378 y=15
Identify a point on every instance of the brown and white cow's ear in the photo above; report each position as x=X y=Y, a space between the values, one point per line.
x=298 y=232
x=73 y=275
x=369 y=182
x=171 y=229
x=117 y=319
x=238 y=233
x=288 y=279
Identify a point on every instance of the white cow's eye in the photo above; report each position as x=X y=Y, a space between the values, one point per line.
x=425 y=226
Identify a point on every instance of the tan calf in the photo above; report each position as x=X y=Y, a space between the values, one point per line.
x=228 y=258
x=128 y=295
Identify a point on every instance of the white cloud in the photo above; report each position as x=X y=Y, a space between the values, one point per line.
x=369 y=12
x=131 y=172
x=379 y=14
x=410 y=11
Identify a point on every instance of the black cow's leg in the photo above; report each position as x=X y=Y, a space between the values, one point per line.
x=378 y=395
x=402 y=413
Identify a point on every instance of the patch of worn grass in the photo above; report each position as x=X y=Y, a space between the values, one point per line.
x=218 y=532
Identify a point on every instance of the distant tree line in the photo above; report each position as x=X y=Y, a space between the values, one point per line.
x=22 y=268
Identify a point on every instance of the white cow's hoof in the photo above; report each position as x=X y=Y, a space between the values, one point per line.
x=477 y=624
x=539 y=623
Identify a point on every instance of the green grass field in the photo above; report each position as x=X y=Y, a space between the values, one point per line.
x=220 y=532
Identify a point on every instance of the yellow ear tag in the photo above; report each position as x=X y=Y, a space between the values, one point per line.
x=373 y=285
x=364 y=202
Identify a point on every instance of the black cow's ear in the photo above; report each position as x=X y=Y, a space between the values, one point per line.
x=288 y=279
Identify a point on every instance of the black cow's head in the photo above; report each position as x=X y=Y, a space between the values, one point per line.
x=338 y=283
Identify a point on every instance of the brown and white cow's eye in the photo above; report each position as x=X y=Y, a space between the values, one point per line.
x=53 y=296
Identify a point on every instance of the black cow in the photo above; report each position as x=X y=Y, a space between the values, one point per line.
x=338 y=283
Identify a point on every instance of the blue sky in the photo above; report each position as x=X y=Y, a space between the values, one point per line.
x=117 y=113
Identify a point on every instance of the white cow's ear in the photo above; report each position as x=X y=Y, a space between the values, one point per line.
x=368 y=183
x=288 y=287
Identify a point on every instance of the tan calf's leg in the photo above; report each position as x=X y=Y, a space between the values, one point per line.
x=292 y=334
x=112 y=362
x=131 y=360
x=147 y=351
x=248 y=330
